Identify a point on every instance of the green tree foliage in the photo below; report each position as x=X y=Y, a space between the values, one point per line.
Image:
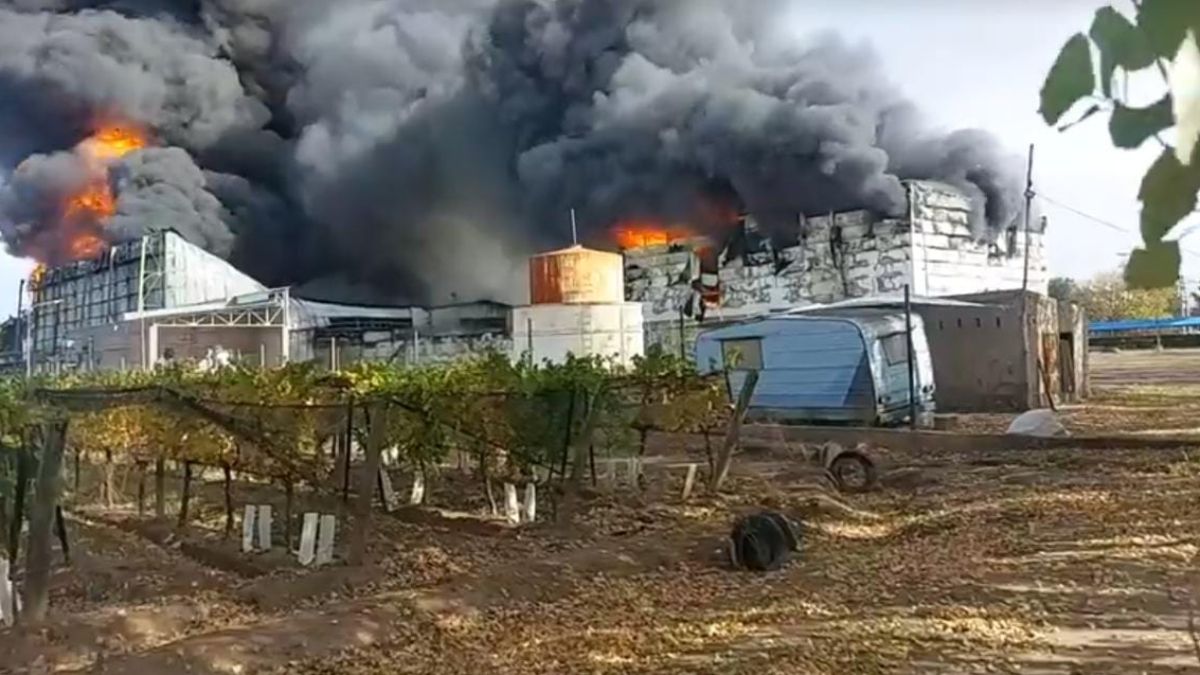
x=1161 y=37
x=1107 y=298
x=1063 y=288
x=516 y=417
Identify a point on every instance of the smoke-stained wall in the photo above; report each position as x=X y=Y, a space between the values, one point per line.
x=422 y=148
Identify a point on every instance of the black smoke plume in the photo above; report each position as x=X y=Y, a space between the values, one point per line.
x=421 y=148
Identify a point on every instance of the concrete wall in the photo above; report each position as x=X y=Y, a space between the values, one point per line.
x=408 y=349
x=553 y=332
x=977 y=357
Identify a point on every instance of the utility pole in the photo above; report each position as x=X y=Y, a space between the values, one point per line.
x=1029 y=195
x=574 y=229
x=1027 y=348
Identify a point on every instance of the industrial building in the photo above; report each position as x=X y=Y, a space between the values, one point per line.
x=160 y=298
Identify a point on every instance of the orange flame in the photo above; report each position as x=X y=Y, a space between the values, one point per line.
x=111 y=143
x=36 y=276
x=84 y=213
x=637 y=233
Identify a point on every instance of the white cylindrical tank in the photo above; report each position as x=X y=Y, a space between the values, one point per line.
x=551 y=332
x=576 y=275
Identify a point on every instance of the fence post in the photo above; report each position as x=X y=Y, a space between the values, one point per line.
x=41 y=521
x=733 y=433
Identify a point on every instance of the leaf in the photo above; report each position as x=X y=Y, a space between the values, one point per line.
x=1070 y=79
x=1165 y=22
x=1156 y=266
x=1185 y=90
x=1121 y=44
x=1130 y=127
x=1168 y=193
x=1092 y=110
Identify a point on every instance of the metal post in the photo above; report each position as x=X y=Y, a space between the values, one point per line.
x=29 y=341
x=285 y=347
x=529 y=339
x=20 y=306
x=1028 y=208
x=912 y=371
x=141 y=303
x=574 y=230
x=682 y=349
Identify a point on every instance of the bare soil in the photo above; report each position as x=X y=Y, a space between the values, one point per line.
x=1049 y=561
x=1144 y=393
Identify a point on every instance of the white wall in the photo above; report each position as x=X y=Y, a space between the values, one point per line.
x=608 y=331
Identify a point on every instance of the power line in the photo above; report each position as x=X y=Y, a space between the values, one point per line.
x=1100 y=221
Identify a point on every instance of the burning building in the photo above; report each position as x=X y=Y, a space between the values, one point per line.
x=688 y=282
x=160 y=298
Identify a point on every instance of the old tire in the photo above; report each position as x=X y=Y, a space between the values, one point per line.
x=853 y=472
x=763 y=542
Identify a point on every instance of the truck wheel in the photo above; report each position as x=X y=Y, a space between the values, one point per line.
x=853 y=472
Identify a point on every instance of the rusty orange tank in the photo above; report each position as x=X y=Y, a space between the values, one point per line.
x=575 y=276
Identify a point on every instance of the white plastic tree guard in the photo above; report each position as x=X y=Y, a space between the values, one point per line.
x=391 y=501
x=308 y=540
x=316 y=539
x=512 y=508
x=8 y=601
x=613 y=470
x=256 y=528
x=529 y=508
x=418 y=489
x=325 y=534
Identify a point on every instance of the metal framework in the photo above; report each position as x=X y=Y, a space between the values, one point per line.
x=272 y=312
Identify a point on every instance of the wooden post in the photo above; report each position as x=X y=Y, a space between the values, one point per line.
x=61 y=529
x=41 y=521
x=689 y=482
x=376 y=437
x=289 y=499
x=227 y=474
x=185 y=496
x=579 y=448
x=109 y=480
x=18 y=517
x=581 y=444
x=141 y=488
x=160 y=488
x=733 y=434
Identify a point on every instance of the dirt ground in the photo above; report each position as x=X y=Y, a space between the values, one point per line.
x=1143 y=393
x=1055 y=561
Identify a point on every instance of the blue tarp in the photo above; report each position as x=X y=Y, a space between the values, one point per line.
x=1144 y=325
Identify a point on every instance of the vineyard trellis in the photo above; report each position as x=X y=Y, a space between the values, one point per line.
x=297 y=424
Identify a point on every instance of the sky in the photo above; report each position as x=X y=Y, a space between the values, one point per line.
x=981 y=64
